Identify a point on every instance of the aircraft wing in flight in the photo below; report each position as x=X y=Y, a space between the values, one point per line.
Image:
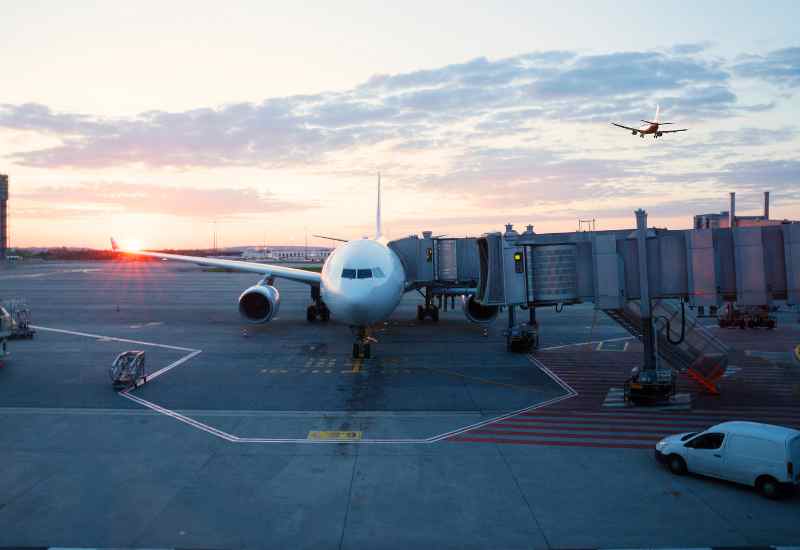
x=626 y=127
x=672 y=131
x=277 y=271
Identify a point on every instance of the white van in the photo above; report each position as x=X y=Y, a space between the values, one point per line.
x=761 y=455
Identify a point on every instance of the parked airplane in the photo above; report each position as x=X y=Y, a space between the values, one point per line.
x=361 y=283
x=652 y=127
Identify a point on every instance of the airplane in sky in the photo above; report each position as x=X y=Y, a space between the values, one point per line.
x=651 y=127
x=360 y=284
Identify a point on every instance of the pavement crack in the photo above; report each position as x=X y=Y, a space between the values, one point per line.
x=524 y=498
x=349 y=498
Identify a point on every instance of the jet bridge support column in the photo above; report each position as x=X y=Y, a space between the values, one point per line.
x=644 y=290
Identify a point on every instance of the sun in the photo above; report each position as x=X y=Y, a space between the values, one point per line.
x=134 y=245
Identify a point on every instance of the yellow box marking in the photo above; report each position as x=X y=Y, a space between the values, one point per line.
x=334 y=436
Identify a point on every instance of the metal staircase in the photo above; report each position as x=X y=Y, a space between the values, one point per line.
x=690 y=349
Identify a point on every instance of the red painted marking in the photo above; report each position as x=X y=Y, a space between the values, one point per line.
x=546 y=443
x=529 y=433
x=634 y=415
x=601 y=422
x=535 y=427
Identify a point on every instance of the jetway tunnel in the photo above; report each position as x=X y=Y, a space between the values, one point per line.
x=643 y=278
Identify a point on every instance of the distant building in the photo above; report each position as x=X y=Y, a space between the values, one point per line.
x=723 y=219
x=287 y=254
x=3 y=215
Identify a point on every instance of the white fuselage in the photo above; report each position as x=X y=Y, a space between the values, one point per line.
x=362 y=282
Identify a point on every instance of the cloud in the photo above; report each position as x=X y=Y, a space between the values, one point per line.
x=627 y=73
x=478 y=99
x=782 y=176
x=692 y=48
x=780 y=67
x=87 y=198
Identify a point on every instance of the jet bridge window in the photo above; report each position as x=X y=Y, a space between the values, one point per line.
x=364 y=273
x=348 y=274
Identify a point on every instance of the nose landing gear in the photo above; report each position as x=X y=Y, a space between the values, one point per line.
x=361 y=347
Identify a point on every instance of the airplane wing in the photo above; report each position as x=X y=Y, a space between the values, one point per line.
x=672 y=131
x=626 y=127
x=278 y=271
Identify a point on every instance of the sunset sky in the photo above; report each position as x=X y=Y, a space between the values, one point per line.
x=152 y=120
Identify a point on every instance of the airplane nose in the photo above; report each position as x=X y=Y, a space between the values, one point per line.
x=359 y=310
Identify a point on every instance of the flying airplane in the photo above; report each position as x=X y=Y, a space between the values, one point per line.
x=361 y=283
x=652 y=127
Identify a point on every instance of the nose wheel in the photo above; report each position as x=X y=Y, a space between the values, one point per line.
x=361 y=347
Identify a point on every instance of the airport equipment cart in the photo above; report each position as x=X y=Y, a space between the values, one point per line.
x=746 y=316
x=128 y=370
x=650 y=387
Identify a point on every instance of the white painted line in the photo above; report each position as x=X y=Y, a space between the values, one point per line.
x=177 y=416
x=562 y=346
x=566 y=387
x=101 y=337
x=45 y=274
x=172 y=365
x=570 y=393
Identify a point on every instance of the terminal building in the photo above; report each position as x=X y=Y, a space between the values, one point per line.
x=287 y=253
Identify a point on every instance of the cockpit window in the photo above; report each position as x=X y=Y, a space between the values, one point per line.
x=378 y=272
x=364 y=273
x=348 y=274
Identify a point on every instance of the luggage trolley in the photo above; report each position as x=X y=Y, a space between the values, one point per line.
x=127 y=371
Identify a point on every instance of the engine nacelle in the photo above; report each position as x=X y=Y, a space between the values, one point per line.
x=478 y=313
x=260 y=303
x=659 y=134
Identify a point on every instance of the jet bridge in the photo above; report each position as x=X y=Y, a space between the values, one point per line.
x=640 y=275
x=440 y=268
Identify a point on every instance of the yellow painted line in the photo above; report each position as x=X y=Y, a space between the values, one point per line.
x=334 y=436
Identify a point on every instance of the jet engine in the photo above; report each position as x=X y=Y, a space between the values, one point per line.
x=659 y=134
x=477 y=313
x=260 y=303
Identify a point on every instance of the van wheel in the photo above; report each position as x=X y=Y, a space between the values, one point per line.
x=769 y=487
x=676 y=465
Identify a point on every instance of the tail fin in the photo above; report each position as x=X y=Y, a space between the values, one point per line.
x=114 y=245
x=657 y=109
x=378 y=230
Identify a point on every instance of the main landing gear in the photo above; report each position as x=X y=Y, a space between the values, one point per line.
x=429 y=309
x=317 y=310
x=361 y=347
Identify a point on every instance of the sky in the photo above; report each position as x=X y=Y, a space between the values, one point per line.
x=161 y=121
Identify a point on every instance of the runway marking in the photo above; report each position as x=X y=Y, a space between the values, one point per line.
x=334 y=435
x=174 y=364
x=561 y=346
x=111 y=338
x=127 y=394
x=37 y=275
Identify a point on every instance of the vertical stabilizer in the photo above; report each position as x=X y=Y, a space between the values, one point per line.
x=378 y=230
x=656 y=119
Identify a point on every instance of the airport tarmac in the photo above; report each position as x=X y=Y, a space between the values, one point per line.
x=457 y=443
